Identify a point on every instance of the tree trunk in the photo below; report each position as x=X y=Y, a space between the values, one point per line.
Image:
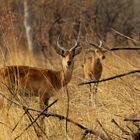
x=27 y=24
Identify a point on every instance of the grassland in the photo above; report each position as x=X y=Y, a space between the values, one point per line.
x=116 y=99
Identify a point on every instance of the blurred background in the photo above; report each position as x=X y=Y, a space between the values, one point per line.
x=48 y=19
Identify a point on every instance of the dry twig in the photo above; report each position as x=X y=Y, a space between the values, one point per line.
x=122 y=49
x=122 y=129
x=34 y=121
x=132 y=119
x=104 y=129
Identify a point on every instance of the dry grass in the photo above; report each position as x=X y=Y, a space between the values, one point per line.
x=115 y=100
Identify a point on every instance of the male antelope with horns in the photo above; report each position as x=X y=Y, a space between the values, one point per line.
x=42 y=82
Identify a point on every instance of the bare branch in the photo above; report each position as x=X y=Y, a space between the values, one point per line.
x=31 y=118
x=61 y=117
x=18 y=122
x=87 y=130
x=122 y=129
x=127 y=37
x=110 y=78
x=122 y=49
x=104 y=129
x=132 y=119
x=41 y=113
x=26 y=112
x=117 y=48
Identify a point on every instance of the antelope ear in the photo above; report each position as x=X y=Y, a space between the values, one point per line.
x=60 y=51
x=77 y=50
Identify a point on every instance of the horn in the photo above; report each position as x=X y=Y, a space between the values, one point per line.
x=58 y=44
x=77 y=42
x=97 y=46
x=101 y=43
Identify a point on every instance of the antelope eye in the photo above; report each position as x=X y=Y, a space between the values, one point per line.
x=63 y=55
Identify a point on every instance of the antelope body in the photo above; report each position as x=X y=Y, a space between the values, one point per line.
x=41 y=82
x=93 y=65
x=93 y=68
x=34 y=79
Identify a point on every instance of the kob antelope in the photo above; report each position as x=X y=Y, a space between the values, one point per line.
x=42 y=82
x=93 y=66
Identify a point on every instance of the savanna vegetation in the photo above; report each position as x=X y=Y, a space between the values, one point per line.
x=116 y=100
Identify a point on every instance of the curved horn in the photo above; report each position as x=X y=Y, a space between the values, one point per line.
x=77 y=44
x=95 y=45
x=101 y=43
x=58 y=44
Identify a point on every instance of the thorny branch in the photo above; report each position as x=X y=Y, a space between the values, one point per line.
x=110 y=78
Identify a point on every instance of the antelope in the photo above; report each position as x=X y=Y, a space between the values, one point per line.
x=93 y=66
x=43 y=83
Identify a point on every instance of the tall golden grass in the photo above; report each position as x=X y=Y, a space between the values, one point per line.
x=115 y=100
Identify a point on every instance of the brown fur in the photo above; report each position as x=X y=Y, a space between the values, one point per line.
x=40 y=82
x=93 y=69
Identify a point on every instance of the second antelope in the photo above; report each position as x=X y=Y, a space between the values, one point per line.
x=93 y=66
x=41 y=82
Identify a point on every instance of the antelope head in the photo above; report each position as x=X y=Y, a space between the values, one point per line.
x=68 y=54
x=98 y=50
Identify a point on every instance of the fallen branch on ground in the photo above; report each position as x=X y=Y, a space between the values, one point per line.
x=87 y=130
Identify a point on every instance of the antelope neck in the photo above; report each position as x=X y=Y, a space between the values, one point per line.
x=66 y=75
